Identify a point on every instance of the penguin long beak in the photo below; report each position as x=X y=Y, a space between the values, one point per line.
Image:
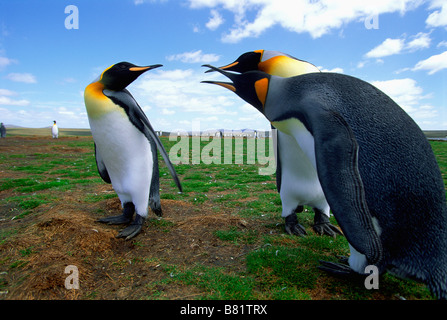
x=143 y=69
x=227 y=85
x=228 y=66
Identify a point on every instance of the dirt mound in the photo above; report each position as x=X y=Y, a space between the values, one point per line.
x=67 y=234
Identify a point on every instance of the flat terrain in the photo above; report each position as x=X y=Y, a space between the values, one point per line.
x=222 y=238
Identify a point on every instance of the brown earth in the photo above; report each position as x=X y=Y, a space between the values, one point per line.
x=66 y=233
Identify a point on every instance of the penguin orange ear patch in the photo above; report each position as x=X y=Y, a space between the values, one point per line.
x=261 y=87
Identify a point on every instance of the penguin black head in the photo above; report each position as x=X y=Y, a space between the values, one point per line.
x=251 y=86
x=120 y=75
x=246 y=62
x=272 y=62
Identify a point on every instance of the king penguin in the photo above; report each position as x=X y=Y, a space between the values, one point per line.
x=125 y=145
x=55 y=130
x=296 y=177
x=376 y=168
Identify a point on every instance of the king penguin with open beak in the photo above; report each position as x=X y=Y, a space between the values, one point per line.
x=126 y=145
x=376 y=168
x=296 y=178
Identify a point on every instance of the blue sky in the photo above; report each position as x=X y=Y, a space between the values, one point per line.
x=44 y=67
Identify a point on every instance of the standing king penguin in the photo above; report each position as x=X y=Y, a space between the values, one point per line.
x=55 y=130
x=125 y=145
x=296 y=177
x=376 y=168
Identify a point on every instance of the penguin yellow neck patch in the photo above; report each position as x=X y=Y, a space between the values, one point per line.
x=95 y=90
x=261 y=87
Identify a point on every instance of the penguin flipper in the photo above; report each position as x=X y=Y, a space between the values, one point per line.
x=336 y=150
x=149 y=132
x=277 y=159
x=141 y=122
x=154 y=191
x=101 y=167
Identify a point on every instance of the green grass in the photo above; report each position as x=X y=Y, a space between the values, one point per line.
x=276 y=266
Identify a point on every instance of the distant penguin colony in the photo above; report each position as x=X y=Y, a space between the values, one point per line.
x=126 y=146
x=377 y=170
x=55 y=130
x=296 y=176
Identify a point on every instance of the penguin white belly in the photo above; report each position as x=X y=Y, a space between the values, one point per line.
x=127 y=155
x=54 y=131
x=357 y=261
x=299 y=179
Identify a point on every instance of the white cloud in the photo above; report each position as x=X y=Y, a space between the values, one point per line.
x=4 y=62
x=433 y=64
x=336 y=69
x=397 y=46
x=437 y=18
x=5 y=99
x=420 y=41
x=386 y=48
x=194 y=57
x=22 y=77
x=177 y=99
x=215 y=21
x=6 y=92
x=316 y=17
x=10 y=102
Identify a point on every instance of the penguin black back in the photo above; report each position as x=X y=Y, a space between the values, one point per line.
x=364 y=141
x=403 y=186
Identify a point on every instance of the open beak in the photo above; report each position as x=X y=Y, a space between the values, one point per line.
x=143 y=69
x=227 y=67
x=227 y=85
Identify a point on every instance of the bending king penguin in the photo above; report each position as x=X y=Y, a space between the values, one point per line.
x=296 y=177
x=125 y=145
x=376 y=168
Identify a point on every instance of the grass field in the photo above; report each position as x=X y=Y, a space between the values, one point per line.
x=222 y=238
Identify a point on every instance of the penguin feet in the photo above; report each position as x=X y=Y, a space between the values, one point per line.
x=133 y=229
x=125 y=218
x=293 y=227
x=322 y=226
x=155 y=207
x=338 y=269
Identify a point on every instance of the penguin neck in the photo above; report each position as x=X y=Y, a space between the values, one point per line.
x=283 y=66
x=94 y=91
x=97 y=103
x=276 y=97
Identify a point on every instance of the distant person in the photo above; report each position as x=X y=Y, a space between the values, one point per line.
x=55 y=130
x=2 y=131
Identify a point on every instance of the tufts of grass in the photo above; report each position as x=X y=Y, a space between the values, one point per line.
x=216 y=282
x=236 y=236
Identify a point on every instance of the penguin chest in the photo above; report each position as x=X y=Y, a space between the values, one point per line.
x=299 y=178
x=296 y=129
x=125 y=151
